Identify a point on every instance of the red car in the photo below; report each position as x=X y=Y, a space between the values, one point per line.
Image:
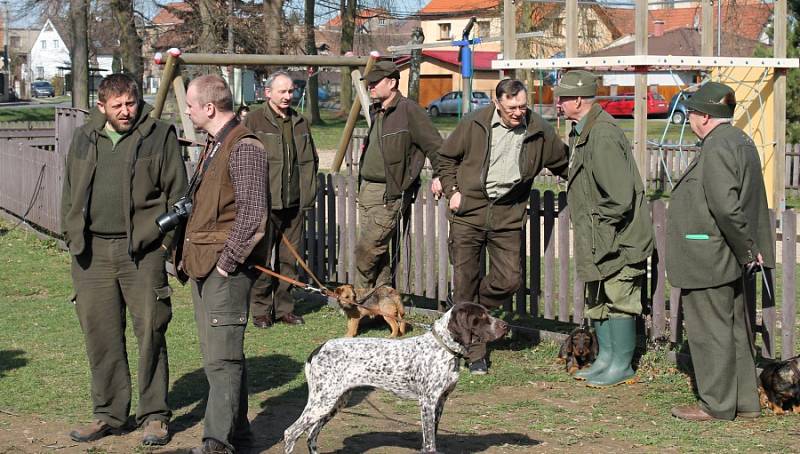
x=622 y=105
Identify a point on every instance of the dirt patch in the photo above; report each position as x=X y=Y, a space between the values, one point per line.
x=375 y=422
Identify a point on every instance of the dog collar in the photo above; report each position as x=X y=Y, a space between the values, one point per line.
x=441 y=342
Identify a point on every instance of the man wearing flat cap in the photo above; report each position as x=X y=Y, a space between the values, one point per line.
x=612 y=227
x=400 y=137
x=718 y=231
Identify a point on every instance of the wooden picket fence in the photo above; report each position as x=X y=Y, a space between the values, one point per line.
x=30 y=187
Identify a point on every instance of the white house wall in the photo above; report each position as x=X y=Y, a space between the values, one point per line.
x=47 y=57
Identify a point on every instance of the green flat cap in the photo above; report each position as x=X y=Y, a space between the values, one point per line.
x=577 y=83
x=713 y=98
x=383 y=68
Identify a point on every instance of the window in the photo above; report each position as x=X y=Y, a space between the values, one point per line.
x=484 y=28
x=55 y=44
x=381 y=22
x=15 y=42
x=558 y=27
x=44 y=44
x=444 y=32
x=591 y=28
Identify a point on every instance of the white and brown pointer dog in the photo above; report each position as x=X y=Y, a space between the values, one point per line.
x=424 y=368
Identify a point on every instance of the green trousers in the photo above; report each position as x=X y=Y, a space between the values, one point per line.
x=378 y=223
x=722 y=355
x=271 y=296
x=220 y=310
x=619 y=295
x=465 y=245
x=108 y=282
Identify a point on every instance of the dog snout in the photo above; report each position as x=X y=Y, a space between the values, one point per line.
x=501 y=328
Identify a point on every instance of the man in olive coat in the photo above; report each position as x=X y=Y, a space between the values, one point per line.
x=612 y=227
x=487 y=167
x=293 y=163
x=401 y=136
x=718 y=229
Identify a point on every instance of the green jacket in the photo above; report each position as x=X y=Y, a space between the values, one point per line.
x=407 y=137
x=718 y=219
x=155 y=178
x=464 y=164
x=263 y=123
x=609 y=213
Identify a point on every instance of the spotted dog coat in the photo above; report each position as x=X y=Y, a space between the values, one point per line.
x=424 y=367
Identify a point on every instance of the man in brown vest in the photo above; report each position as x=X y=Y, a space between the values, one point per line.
x=224 y=235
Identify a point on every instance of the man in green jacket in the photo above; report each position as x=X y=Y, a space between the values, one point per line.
x=400 y=137
x=293 y=163
x=123 y=170
x=487 y=166
x=611 y=224
x=718 y=229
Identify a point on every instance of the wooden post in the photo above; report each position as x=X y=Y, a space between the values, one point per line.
x=186 y=122
x=659 y=213
x=417 y=37
x=707 y=28
x=509 y=30
x=549 y=253
x=640 y=94
x=571 y=48
x=789 y=256
x=563 y=258
x=536 y=253
x=779 y=96
x=361 y=93
x=167 y=74
x=350 y=125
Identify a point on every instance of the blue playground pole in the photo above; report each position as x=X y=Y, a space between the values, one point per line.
x=466 y=65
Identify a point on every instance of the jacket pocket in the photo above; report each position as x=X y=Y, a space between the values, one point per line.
x=604 y=240
x=201 y=252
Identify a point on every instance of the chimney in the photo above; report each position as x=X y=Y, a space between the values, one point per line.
x=658 y=28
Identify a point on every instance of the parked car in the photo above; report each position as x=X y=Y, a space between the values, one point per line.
x=450 y=103
x=677 y=109
x=41 y=88
x=622 y=105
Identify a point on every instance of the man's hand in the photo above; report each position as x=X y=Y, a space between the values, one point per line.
x=222 y=272
x=455 y=201
x=436 y=188
x=758 y=262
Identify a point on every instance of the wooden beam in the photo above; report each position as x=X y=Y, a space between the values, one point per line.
x=271 y=60
x=167 y=74
x=779 y=24
x=352 y=118
x=651 y=62
x=509 y=30
x=640 y=93
x=572 y=29
x=707 y=28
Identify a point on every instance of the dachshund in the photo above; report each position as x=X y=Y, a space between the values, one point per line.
x=780 y=386
x=578 y=350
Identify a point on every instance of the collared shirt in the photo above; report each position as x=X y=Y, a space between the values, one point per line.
x=248 y=170
x=504 y=157
x=575 y=132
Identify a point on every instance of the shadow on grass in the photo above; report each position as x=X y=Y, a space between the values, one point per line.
x=11 y=359
x=263 y=373
x=444 y=443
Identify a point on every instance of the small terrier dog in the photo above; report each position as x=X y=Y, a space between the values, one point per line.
x=384 y=301
x=578 y=350
x=780 y=386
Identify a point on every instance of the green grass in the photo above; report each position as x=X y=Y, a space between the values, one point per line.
x=43 y=372
x=28 y=114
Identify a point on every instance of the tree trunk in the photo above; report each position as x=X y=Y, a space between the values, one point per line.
x=78 y=12
x=417 y=37
x=313 y=82
x=130 y=43
x=347 y=12
x=273 y=26
x=210 y=32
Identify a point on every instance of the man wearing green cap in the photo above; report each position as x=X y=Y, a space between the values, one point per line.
x=400 y=137
x=718 y=230
x=612 y=227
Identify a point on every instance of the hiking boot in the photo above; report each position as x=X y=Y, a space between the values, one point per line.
x=94 y=431
x=478 y=367
x=211 y=446
x=156 y=433
x=622 y=332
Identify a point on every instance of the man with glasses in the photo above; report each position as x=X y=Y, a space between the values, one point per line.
x=487 y=167
x=400 y=137
x=718 y=231
x=611 y=223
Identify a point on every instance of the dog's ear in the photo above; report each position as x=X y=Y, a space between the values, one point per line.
x=566 y=348
x=461 y=323
x=338 y=290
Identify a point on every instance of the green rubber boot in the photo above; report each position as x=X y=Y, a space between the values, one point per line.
x=623 y=343
x=601 y=329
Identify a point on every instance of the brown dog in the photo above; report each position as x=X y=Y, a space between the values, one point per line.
x=780 y=386
x=578 y=350
x=384 y=301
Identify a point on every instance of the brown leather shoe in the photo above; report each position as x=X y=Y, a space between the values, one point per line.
x=262 y=321
x=211 y=446
x=156 y=433
x=691 y=413
x=291 y=319
x=94 y=431
x=748 y=414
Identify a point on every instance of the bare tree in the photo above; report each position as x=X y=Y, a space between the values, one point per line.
x=273 y=25
x=313 y=81
x=417 y=37
x=130 y=43
x=79 y=52
x=347 y=12
x=212 y=19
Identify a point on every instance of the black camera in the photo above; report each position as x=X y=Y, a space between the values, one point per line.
x=180 y=213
